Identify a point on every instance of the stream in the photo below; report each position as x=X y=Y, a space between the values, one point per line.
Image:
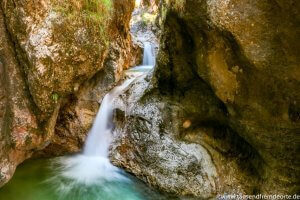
x=38 y=180
x=88 y=175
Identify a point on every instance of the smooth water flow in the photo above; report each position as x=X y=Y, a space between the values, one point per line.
x=148 y=57
x=100 y=136
x=93 y=166
x=148 y=60
x=88 y=175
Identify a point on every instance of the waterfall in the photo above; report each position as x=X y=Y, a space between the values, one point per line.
x=148 y=57
x=100 y=136
x=92 y=166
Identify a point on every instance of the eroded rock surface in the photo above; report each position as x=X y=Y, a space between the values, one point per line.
x=227 y=83
x=52 y=52
x=77 y=115
x=147 y=145
x=19 y=126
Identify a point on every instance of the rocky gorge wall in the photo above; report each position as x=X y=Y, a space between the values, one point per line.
x=51 y=53
x=220 y=112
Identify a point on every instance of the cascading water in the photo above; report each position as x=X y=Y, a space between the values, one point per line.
x=90 y=175
x=100 y=136
x=148 y=57
x=93 y=167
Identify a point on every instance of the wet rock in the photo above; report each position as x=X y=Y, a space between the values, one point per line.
x=147 y=145
x=226 y=83
x=51 y=53
x=77 y=115
x=56 y=50
x=18 y=124
x=143 y=26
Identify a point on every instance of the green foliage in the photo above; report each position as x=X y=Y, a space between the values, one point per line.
x=55 y=97
x=97 y=11
x=94 y=14
x=148 y=18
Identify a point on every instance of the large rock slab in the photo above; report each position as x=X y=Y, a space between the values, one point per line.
x=146 y=144
x=231 y=68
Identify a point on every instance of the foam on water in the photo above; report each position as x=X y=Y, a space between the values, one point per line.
x=89 y=169
x=92 y=167
x=148 y=57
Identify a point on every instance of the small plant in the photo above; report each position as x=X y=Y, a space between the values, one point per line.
x=97 y=11
x=55 y=97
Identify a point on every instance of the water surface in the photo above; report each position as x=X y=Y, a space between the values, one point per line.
x=89 y=175
x=40 y=180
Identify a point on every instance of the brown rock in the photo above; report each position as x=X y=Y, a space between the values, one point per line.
x=50 y=52
x=232 y=68
x=77 y=115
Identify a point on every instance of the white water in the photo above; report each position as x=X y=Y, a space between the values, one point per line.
x=148 y=61
x=148 y=57
x=100 y=136
x=92 y=166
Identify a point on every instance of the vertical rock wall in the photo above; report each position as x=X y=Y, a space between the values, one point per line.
x=227 y=79
x=49 y=50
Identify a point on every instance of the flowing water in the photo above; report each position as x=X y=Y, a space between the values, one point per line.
x=148 y=61
x=88 y=175
x=149 y=55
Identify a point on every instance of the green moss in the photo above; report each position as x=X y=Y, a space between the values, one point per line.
x=96 y=11
x=55 y=97
x=147 y=19
x=93 y=14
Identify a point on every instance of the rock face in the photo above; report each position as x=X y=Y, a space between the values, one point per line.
x=221 y=112
x=147 y=144
x=19 y=126
x=51 y=53
x=77 y=115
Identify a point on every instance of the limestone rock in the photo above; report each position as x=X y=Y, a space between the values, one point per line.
x=146 y=144
x=51 y=53
x=77 y=115
x=227 y=80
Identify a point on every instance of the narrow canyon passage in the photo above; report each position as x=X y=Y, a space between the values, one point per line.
x=88 y=175
x=149 y=99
